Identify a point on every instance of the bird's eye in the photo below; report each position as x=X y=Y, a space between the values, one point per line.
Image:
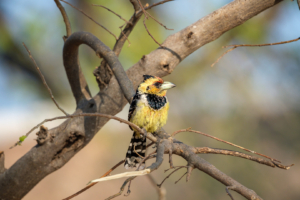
x=148 y=88
x=157 y=84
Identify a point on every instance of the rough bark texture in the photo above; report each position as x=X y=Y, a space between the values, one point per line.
x=64 y=141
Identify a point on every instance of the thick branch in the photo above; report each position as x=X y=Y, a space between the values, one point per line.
x=75 y=76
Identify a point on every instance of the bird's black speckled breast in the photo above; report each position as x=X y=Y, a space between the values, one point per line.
x=156 y=102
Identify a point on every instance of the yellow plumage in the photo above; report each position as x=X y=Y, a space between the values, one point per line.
x=148 y=118
x=149 y=110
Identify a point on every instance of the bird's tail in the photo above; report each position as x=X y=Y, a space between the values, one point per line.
x=136 y=152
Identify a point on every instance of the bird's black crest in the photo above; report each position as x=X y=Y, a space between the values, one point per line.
x=147 y=77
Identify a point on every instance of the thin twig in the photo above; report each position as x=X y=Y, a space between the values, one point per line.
x=159 y=22
x=144 y=22
x=92 y=184
x=90 y=18
x=234 y=46
x=44 y=80
x=181 y=130
x=180 y=177
x=149 y=135
x=270 y=163
x=222 y=56
x=159 y=185
x=113 y=13
x=65 y=17
x=207 y=135
x=227 y=191
x=261 y=45
x=173 y=168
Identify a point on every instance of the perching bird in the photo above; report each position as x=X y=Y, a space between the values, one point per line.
x=149 y=110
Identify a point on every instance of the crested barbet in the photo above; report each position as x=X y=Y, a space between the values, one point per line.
x=149 y=110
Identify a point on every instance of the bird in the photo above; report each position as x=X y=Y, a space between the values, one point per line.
x=149 y=110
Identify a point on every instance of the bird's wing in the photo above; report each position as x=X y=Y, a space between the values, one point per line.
x=133 y=106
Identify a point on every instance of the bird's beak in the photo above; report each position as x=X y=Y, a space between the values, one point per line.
x=167 y=85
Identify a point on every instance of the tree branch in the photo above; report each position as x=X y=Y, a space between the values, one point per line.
x=66 y=19
x=234 y=46
x=44 y=80
x=226 y=142
x=195 y=161
x=73 y=134
x=270 y=163
x=75 y=76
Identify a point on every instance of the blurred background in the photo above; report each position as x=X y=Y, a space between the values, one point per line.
x=250 y=98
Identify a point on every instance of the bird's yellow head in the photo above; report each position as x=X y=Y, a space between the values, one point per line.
x=154 y=85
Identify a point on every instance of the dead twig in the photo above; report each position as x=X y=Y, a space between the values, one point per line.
x=66 y=19
x=234 y=46
x=90 y=18
x=207 y=135
x=104 y=175
x=44 y=80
